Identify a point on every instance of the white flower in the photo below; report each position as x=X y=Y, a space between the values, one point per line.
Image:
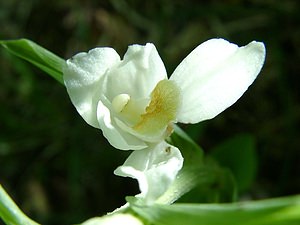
x=134 y=103
x=155 y=168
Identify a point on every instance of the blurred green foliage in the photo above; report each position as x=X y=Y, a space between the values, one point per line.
x=59 y=169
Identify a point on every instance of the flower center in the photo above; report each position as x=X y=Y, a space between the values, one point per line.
x=149 y=118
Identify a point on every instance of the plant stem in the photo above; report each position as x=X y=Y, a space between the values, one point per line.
x=10 y=212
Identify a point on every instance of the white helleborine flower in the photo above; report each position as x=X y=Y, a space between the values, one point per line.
x=135 y=104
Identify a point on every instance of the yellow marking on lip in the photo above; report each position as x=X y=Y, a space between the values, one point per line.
x=162 y=109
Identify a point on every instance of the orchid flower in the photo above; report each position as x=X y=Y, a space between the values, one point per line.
x=135 y=104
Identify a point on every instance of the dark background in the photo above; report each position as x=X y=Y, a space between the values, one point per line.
x=59 y=169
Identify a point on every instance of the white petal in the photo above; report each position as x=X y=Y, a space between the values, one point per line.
x=137 y=75
x=155 y=168
x=83 y=76
x=214 y=76
x=115 y=136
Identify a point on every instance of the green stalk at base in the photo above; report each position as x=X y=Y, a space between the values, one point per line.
x=10 y=213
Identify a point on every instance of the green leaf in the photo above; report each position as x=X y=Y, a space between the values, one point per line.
x=191 y=152
x=212 y=184
x=278 y=211
x=37 y=55
x=238 y=154
x=10 y=212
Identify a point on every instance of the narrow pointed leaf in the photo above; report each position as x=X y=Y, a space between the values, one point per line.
x=10 y=212
x=37 y=55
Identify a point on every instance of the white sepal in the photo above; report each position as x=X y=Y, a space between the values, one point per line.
x=214 y=76
x=83 y=77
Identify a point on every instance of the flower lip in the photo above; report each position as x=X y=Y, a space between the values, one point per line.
x=162 y=109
